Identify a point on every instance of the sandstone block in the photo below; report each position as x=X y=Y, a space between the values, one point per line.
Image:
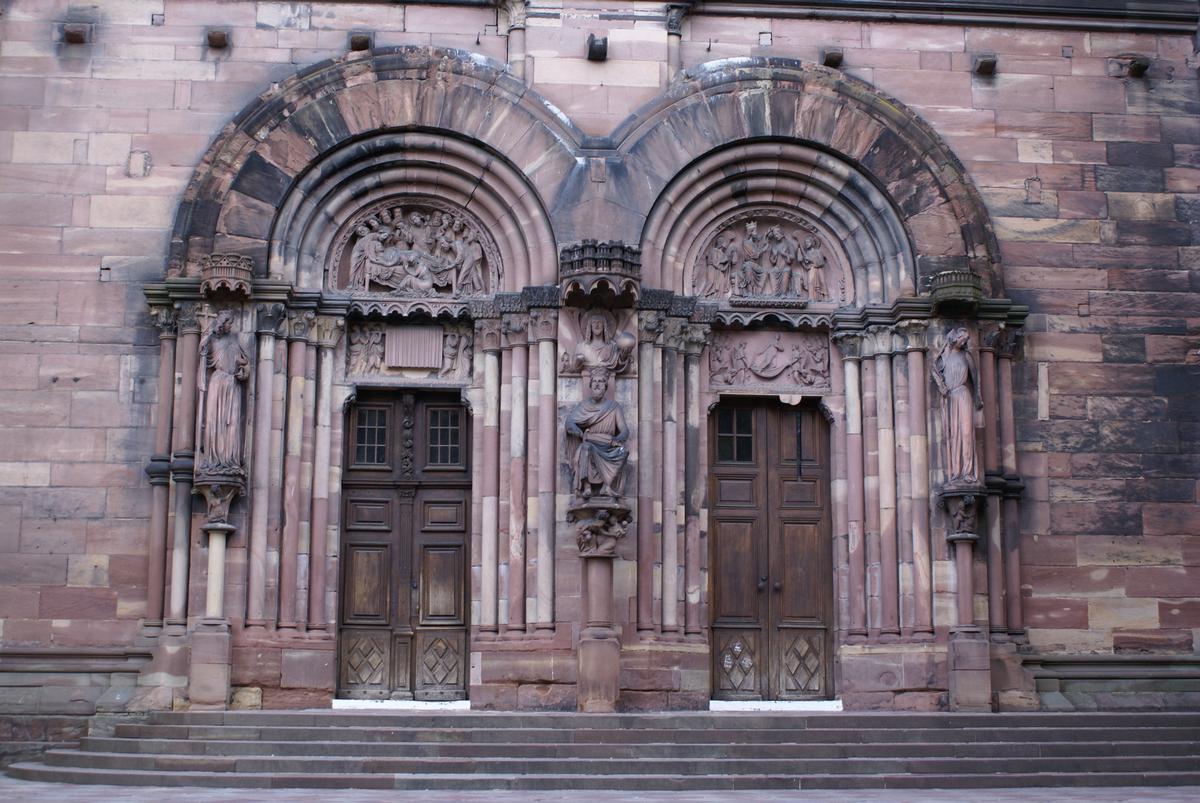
x=1039 y=229
x=1086 y=94
x=308 y=669
x=78 y=603
x=546 y=697
x=1055 y=612
x=1162 y=581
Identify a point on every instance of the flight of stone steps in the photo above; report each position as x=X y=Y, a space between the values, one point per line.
x=635 y=752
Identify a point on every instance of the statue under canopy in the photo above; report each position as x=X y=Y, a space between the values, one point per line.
x=224 y=367
x=957 y=380
x=597 y=427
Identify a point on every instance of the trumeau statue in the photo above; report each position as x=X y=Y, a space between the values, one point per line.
x=225 y=367
x=421 y=249
x=600 y=345
x=597 y=431
x=957 y=379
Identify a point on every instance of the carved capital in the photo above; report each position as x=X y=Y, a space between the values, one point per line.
x=188 y=317
x=672 y=335
x=880 y=340
x=914 y=334
x=695 y=337
x=543 y=323
x=165 y=319
x=269 y=319
x=327 y=330
x=989 y=335
x=515 y=329
x=299 y=324
x=487 y=334
x=650 y=325
x=675 y=14
x=1008 y=343
x=849 y=345
x=515 y=10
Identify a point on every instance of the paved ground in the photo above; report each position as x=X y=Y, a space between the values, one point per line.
x=12 y=791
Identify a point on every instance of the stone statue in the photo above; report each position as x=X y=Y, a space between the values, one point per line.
x=225 y=368
x=598 y=427
x=814 y=267
x=957 y=380
x=600 y=345
x=366 y=351
x=597 y=534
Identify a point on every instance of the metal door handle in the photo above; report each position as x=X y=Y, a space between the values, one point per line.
x=779 y=586
x=762 y=584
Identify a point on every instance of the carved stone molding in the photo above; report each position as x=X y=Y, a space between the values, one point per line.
x=672 y=335
x=989 y=335
x=226 y=275
x=881 y=340
x=769 y=362
x=914 y=334
x=650 y=326
x=541 y=295
x=1008 y=343
x=270 y=319
x=408 y=420
x=695 y=338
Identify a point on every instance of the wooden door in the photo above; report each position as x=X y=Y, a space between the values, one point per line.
x=771 y=553
x=407 y=492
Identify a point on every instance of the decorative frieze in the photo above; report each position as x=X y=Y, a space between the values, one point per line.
x=426 y=353
x=770 y=362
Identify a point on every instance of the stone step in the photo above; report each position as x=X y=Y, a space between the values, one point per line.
x=642 y=735
x=617 y=782
x=645 y=750
x=324 y=765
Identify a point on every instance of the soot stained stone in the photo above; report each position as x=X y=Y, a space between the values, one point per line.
x=262 y=180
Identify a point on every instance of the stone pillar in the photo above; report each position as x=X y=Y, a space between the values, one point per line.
x=515 y=10
x=670 y=484
x=1008 y=344
x=183 y=449
x=870 y=429
x=849 y=345
x=914 y=332
x=650 y=327
x=695 y=339
x=298 y=328
x=675 y=14
x=327 y=331
x=487 y=339
x=269 y=318
x=159 y=468
x=544 y=327
x=599 y=649
x=889 y=566
x=308 y=444
x=210 y=657
x=516 y=328
x=994 y=482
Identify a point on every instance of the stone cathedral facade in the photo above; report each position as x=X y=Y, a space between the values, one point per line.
x=598 y=355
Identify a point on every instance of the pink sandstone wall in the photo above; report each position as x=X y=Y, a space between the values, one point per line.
x=1093 y=181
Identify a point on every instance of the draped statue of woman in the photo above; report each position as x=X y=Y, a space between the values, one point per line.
x=957 y=380
x=598 y=426
x=225 y=367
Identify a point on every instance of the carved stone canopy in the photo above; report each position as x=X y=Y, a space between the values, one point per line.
x=595 y=273
x=415 y=247
x=226 y=275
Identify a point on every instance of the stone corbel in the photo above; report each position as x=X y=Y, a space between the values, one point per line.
x=675 y=15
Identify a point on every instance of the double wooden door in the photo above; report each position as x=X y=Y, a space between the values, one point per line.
x=407 y=513
x=771 y=555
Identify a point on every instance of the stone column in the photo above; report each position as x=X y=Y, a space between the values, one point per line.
x=544 y=327
x=988 y=335
x=870 y=427
x=327 y=331
x=1008 y=345
x=672 y=340
x=269 y=318
x=675 y=14
x=183 y=448
x=487 y=339
x=307 y=450
x=298 y=327
x=515 y=9
x=516 y=329
x=694 y=483
x=889 y=566
x=849 y=345
x=159 y=467
x=914 y=333
x=650 y=327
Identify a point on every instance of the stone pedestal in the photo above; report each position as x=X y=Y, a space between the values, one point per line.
x=599 y=649
x=970 y=671
x=209 y=665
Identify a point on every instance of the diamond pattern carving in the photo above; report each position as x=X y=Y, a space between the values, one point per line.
x=440 y=663
x=737 y=664
x=803 y=667
x=366 y=660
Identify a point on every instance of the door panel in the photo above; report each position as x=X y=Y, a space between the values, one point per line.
x=771 y=560
x=404 y=546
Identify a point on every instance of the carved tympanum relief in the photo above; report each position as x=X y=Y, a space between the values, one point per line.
x=418 y=248
x=435 y=352
x=769 y=258
x=768 y=361
x=957 y=379
x=595 y=338
x=224 y=369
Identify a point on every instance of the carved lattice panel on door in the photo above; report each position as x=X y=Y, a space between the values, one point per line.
x=365 y=660
x=440 y=664
x=737 y=662
x=801 y=663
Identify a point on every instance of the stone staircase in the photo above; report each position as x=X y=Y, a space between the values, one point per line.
x=635 y=752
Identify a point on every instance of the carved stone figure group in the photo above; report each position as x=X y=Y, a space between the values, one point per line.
x=366 y=352
x=802 y=362
x=784 y=263
x=417 y=252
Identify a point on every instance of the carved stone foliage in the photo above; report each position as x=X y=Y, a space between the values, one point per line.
x=956 y=377
x=416 y=248
x=224 y=369
x=764 y=361
x=435 y=353
x=770 y=258
x=597 y=338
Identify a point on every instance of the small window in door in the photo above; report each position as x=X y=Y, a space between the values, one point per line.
x=445 y=437
x=370 y=437
x=735 y=436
